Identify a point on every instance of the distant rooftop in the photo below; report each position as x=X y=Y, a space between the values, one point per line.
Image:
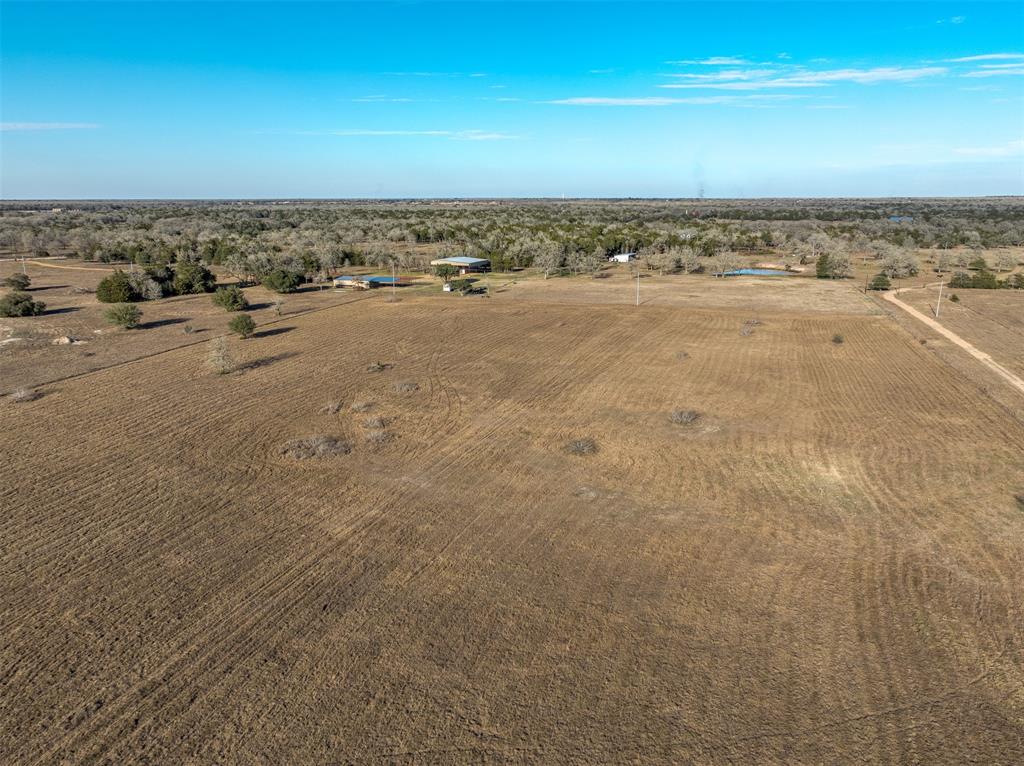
x=462 y=260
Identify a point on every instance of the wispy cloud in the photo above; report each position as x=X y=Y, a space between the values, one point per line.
x=48 y=126
x=667 y=101
x=712 y=61
x=600 y=71
x=383 y=99
x=801 y=78
x=952 y=20
x=985 y=57
x=1009 y=149
x=1015 y=70
x=458 y=135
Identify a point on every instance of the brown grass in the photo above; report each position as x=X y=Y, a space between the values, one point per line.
x=819 y=578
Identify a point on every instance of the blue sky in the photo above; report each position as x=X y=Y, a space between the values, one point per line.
x=412 y=99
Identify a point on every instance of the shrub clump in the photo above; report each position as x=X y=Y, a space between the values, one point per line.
x=331 y=408
x=880 y=282
x=954 y=298
x=407 y=387
x=230 y=298
x=378 y=366
x=282 y=281
x=838 y=339
x=124 y=315
x=362 y=406
x=581 y=447
x=192 y=279
x=243 y=325
x=18 y=281
x=315 y=447
x=378 y=437
x=118 y=287
x=376 y=422
x=220 y=360
x=19 y=304
x=684 y=417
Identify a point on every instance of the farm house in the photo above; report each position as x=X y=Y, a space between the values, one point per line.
x=464 y=264
x=622 y=257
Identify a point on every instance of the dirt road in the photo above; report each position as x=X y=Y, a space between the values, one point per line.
x=981 y=356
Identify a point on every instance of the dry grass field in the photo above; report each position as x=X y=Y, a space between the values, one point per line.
x=826 y=566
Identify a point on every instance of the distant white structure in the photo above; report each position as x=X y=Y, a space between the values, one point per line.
x=464 y=264
x=622 y=257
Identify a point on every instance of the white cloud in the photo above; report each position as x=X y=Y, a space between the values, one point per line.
x=1009 y=149
x=458 y=135
x=985 y=57
x=665 y=101
x=809 y=79
x=713 y=61
x=1014 y=71
x=48 y=126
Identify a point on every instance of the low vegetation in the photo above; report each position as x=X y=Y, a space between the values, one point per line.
x=582 y=446
x=406 y=387
x=25 y=395
x=230 y=298
x=242 y=325
x=124 y=315
x=219 y=359
x=684 y=417
x=20 y=304
x=18 y=281
x=315 y=447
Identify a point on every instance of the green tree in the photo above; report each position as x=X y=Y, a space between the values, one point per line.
x=192 y=279
x=242 y=324
x=445 y=271
x=822 y=268
x=880 y=282
x=18 y=281
x=117 y=288
x=230 y=298
x=282 y=281
x=20 y=304
x=124 y=315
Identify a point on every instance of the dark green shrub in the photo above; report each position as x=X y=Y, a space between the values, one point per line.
x=117 y=288
x=124 y=315
x=978 y=264
x=954 y=298
x=880 y=282
x=18 y=281
x=19 y=304
x=822 y=267
x=242 y=324
x=838 y=339
x=192 y=279
x=282 y=281
x=961 y=280
x=230 y=298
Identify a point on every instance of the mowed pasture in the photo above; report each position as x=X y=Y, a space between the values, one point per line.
x=827 y=566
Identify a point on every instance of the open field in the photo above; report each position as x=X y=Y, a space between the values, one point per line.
x=992 y=320
x=826 y=567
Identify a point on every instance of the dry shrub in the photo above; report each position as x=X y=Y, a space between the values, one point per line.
x=374 y=422
x=378 y=437
x=315 y=447
x=581 y=447
x=188 y=329
x=331 y=408
x=838 y=339
x=362 y=406
x=749 y=325
x=684 y=417
x=25 y=395
x=220 y=359
x=682 y=356
x=378 y=366
x=407 y=387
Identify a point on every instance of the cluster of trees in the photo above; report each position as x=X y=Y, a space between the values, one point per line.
x=18 y=303
x=983 y=279
x=153 y=282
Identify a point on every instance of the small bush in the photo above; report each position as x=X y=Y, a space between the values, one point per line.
x=192 y=279
x=880 y=282
x=332 y=408
x=124 y=315
x=582 y=447
x=315 y=447
x=684 y=417
x=243 y=325
x=282 y=281
x=188 y=329
x=378 y=437
x=375 y=423
x=682 y=356
x=362 y=406
x=838 y=339
x=25 y=395
x=378 y=366
x=117 y=288
x=19 y=304
x=18 y=281
x=220 y=360
x=954 y=298
x=230 y=298
x=407 y=387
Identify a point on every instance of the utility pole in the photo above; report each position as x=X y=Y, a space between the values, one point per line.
x=938 y=303
x=394 y=278
x=638 y=284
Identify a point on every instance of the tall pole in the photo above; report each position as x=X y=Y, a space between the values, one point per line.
x=393 y=279
x=938 y=303
x=638 y=284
